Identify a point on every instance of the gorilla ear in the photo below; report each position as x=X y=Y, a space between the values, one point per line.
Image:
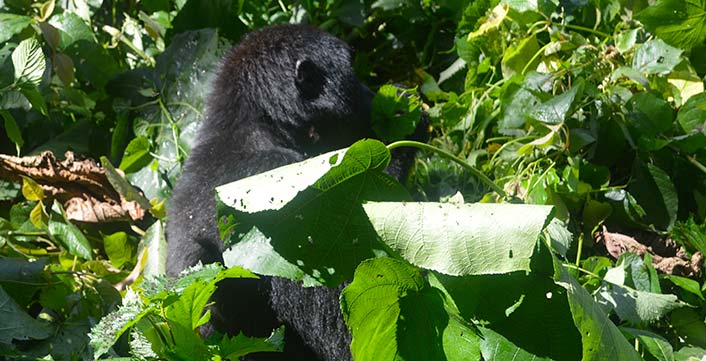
x=310 y=79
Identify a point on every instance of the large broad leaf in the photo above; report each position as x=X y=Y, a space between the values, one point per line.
x=527 y=308
x=600 y=337
x=308 y=218
x=273 y=189
x=11 y=24
x=638 y=307
x=464 y=239
x=71 y=29
x=656 y=57
x=681 y=23
x=16 y=324
x=394 y=314
x=689 y=326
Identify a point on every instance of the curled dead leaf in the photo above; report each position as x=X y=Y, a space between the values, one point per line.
x=81 y=185
x=667 y=256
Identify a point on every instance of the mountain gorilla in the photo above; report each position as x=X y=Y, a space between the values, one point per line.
x=283 y=94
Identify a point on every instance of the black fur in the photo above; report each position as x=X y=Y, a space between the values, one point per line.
x=283 y=94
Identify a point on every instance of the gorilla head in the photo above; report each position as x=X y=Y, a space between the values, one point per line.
x=298 y=80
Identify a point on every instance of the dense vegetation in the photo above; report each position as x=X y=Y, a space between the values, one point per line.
x=557 y=212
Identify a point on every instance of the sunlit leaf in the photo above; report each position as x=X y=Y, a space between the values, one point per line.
x=681 y=23
x=29 y=63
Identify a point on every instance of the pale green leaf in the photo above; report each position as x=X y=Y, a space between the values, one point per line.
x=463 y=239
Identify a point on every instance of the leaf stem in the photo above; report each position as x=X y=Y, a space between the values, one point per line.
x=449 y=156
x=589 y=30
x=696 y=163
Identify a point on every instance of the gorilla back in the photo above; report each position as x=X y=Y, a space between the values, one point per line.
x=284 y=93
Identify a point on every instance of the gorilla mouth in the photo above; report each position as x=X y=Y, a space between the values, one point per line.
x=313 y=135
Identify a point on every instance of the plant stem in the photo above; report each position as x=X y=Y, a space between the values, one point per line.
x=449 y=156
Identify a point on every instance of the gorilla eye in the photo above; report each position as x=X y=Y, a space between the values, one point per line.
x=309 y=79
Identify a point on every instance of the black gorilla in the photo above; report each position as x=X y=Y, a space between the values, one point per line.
x=283 y=94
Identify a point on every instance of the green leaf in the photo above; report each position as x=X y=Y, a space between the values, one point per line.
x=72 y=29
x=625 y=40
x=559 y=236
x=104 y=334
x=637 y=307
x=632 y=74
x=650 y=114
x=692 y=119
x=517 y=58
x=464 y=239
x=156 y=243
x=686 y=284
x=16 y=324
x=689 y=326
x=395 y=112
x=35 y=98
x=394 y=314
x=686 y=82
x=601 y=339
x=655 y=344
x=656 y=194
x=388 y=5
x=656 y=57
x=185 y=315
x=559 y=108
x=18 y=270
x=137 y=155
x=517 y=102
x=119 y=248
x=681 y=23
x=272 y=190
x=691 y=234
x=495 y=347
x=690 y=353
x=37 y=215
x=31 y=190
x=321 y=229
x=11 y=24
x=527 y=308
x=67 y=234
x=241 y=345
x=64 y=68
x=122 y=186
x=29 y=63
x=11 y=129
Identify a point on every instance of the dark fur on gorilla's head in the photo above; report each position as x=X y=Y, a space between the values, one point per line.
x=299 y=80
x=284 y=93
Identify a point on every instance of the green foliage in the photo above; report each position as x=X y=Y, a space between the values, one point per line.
x=169 y=313
x=395 y=112
x=589 y=112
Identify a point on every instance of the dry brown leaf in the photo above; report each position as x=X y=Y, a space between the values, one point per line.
x=80 y=185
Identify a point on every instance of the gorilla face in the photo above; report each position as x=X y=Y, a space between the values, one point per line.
x=301 y=80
